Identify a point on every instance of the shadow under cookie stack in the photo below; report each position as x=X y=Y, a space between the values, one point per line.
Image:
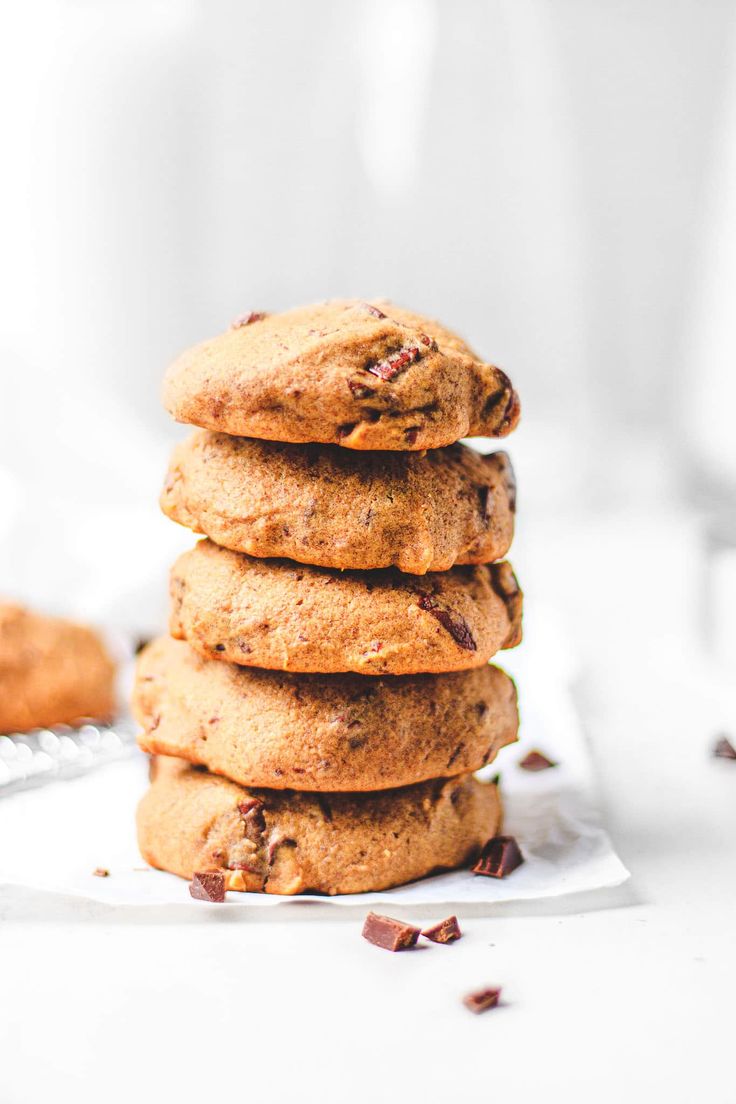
x=325 y=695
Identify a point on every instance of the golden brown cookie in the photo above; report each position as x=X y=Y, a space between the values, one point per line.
x=51 y=672
x=319 y=504
x=291 y=617
x=277 y=841
x=319 y=732
x=360 y=375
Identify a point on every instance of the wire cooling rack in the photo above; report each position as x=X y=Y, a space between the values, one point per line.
x=46 y=754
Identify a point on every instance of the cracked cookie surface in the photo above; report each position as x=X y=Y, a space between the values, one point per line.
x=286 y=843
x=320 y=504
x=319 y=732
x=360 y=375
x=52 y=671
x=293 y=617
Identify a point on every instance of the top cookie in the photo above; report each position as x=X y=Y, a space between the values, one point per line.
x=361 y=375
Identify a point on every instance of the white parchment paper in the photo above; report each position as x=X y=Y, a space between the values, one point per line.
x=53 y=838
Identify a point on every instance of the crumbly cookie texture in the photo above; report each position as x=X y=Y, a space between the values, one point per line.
x=291 y=617
x=285 y=842
x=319 y=732
x=360 y=375
x=51 y=672
x=319 y=504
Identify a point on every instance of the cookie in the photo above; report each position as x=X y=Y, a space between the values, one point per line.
x=319 y=504
x=274 y=841
x=319 y=732
x=291 y=617
x=360 y=375
x=51 y=672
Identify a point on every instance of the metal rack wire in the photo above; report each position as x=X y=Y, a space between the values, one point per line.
x=32 y=758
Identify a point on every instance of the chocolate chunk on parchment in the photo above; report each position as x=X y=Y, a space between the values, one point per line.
x=482 y=999
x=724 y=749
x=499 y=857
x=536 y=761
x=392 y=935
x=447 y=931
x=208 y=885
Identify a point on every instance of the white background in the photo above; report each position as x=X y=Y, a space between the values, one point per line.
x=555 y=179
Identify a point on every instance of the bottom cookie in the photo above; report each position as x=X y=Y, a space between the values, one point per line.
x=284 y=842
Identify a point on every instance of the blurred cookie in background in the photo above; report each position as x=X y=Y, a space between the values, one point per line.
x=52 y=671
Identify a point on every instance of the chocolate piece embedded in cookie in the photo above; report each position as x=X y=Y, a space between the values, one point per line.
x=360 y=375
x=52 y=672
x=298 y=843
x=282 y=616
x=332 y=507
x=320 y=732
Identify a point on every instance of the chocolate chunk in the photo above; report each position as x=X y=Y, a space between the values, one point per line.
x=140 y=643
x=456 y=625
x=447 y=931
x=499 y=857
x=392 y=935
x=536 y=761
x=485 y=503
x=251 y=812
x=394 y=363
x=247 y=319
x=512 y=412
x=482 y=999
x=101 y=872
x=208 y=886
x=724 y=749
x=249 y=806
x=372 y=310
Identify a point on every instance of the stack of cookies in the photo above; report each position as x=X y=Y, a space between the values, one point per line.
x=325 y=695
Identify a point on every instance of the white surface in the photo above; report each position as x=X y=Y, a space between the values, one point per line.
x=553 y=815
